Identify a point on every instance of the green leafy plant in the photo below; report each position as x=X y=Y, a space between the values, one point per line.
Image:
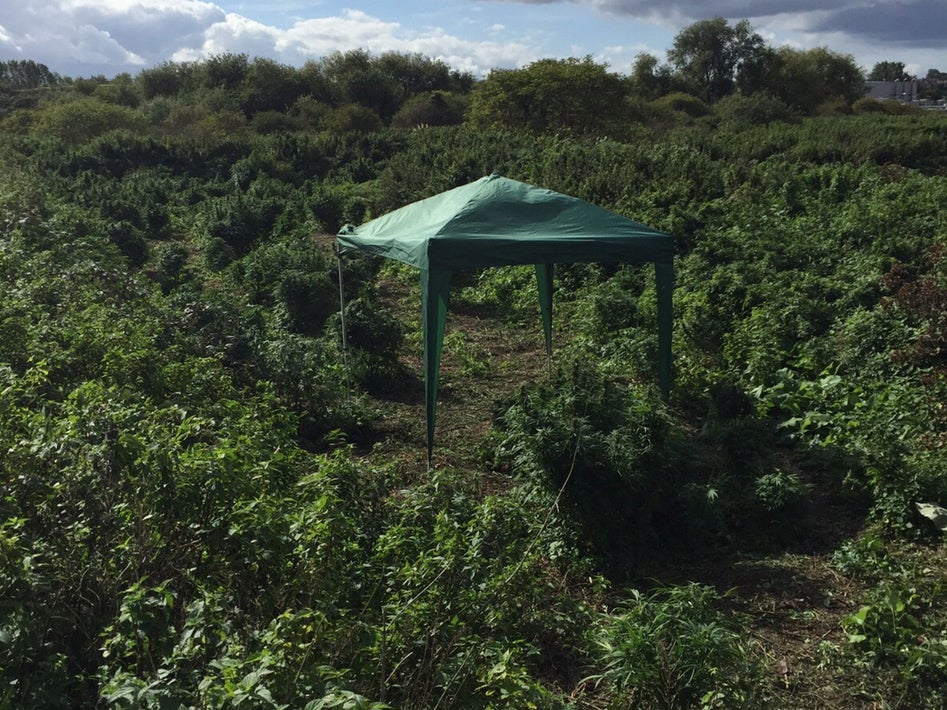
x=901 y=634
x=672 y=648
x=779 y=492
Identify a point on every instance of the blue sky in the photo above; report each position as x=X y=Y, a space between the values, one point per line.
x=86 y=37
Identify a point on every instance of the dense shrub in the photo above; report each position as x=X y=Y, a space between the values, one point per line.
x=612 y=450
x=437 y=108
x=753 y=110
x=351 y=118
x=80 y=120
x=682 y=103
x=673 y=648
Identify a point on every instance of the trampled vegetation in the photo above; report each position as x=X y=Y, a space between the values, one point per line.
x=203 y=504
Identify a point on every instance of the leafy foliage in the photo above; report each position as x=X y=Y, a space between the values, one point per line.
x=182 y=522
x=673 y=648
x=709 y=53
x=570 y=96
x=80 y=120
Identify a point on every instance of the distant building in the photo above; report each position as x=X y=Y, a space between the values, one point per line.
x=904 y=91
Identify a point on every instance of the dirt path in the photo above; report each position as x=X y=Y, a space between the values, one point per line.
x=484 y=360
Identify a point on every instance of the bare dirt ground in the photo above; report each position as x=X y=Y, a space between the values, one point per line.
x=484 y=360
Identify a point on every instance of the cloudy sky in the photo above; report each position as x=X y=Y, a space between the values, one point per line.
x=86 y=37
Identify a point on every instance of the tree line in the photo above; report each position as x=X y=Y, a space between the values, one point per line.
x=709 y=62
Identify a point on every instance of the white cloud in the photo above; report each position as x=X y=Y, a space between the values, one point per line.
x=151 y=27
x=358 y=30
x=83 y=37
x=352 y=30
x=234 y=34
x=6 y=40
x=92 y=45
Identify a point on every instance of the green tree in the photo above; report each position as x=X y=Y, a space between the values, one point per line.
x=85 y=118
x=574 y=96
x=417 y=74
x=87 y=85
x=351 y=118
x=888 y=71
x=709 y=53
x=356 y=78
x=309 y=112
x=810 y=78
x=121 y=90
x=649 y=79
x=23 y=84
x=269 y=86
x=26 y=74
x=934 y=85
x=315 y=83
x=166 y=79
x=757 y=69
x=223 y=71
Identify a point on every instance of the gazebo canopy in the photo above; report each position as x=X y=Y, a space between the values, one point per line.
x=496 y=221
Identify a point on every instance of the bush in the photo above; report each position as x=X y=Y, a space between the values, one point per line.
x=241 y=221
x=306 y=299
x=835 y=107
x=779 y=492
x=612 y=449
x=273 y=122
x=682 y=103
x=899 y=634
x=869 y=105
x=673 y=648
x=170 y=261
x=752 y=110
x=476 y=618
x=309 y=112
x=130 y=241
x=436 y=108
x=351 y=118
x=81 y=120
x=334 y=205
x=374 y=336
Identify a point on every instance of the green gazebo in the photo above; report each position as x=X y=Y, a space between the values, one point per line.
x=496 y=221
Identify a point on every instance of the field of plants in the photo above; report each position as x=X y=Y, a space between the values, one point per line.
x=204 y=504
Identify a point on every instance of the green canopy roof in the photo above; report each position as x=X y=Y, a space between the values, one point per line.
x=496 y=221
